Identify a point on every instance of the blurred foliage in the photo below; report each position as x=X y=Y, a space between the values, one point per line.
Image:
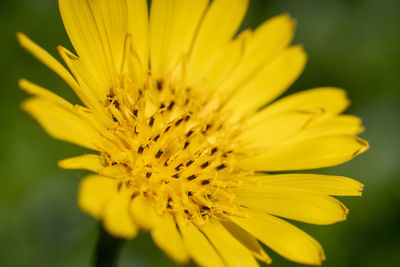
x=353 y=44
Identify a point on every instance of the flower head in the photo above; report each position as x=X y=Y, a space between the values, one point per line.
x=172 y=106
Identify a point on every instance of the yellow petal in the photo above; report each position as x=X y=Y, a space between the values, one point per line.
x=247 y=240
x=142 y=213
x=230 y=249
x=292 y=203
x=270 y=82
x=173 y=24
x=61 y=123
x=95 y=192
x=265 y=134
x=330 y=100
x=199 y=247
x=317 y=183
x=97 y=36
x=282 y=237
x=220 y=67
x=116 y=216
x=311 y=153
x=138 y=27
x=267 y=41
x=46 y=59
x=339 y=125
x=219 y=25
x=166 y=236
x=90 y=92
x=43 y=93
x=91 y=162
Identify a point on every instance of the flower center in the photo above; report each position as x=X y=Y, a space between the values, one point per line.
x=176 y=148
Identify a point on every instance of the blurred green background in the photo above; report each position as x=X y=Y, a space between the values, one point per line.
x=353 y=44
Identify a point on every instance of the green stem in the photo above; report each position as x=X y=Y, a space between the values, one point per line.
x=107 y=249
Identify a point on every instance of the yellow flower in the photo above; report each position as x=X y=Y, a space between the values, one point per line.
x=172 y=106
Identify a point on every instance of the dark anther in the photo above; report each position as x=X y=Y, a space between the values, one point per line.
x=114 y=119
x=204 y=182
x=140 y=149
x=151 y=121
x=205 y=164
x=220 y=167
x=214 y=150
x=166 y=163
x=119 y=186
x=135 y=112
x=124 y=164
x=208 y=196
x=178 y=122
x=189 y=193
x=169 y=206
x=162 y=106
x=169 y=199
x=171 y=105
x=140 y=92
x=176 y=175
x=116 y=104
x=136 y=131
x=159 y=85
x=114 y=163
x=167 y=129
x=159 y=153
x=179 y=167
x=205 y=208
x=148 y=174
x=190 y=162
x=189 y=133
x=186 y=211
x=134 y=195
x=156 y=138
x=191 y=177
x=187 y=143
x=208 y=126
x=187 y=117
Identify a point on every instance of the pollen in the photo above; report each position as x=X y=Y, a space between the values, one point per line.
x=176 y=151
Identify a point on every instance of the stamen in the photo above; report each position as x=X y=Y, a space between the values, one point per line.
x=171 y=105
x=159 y=85
x=220 y=167
x=187 y=143
x=205 y=182
x=189 y=133
x=177 y=168
x=178 y=122
x=151 y=121
x=191 y=177
x=205 y=165
x=159 y=153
